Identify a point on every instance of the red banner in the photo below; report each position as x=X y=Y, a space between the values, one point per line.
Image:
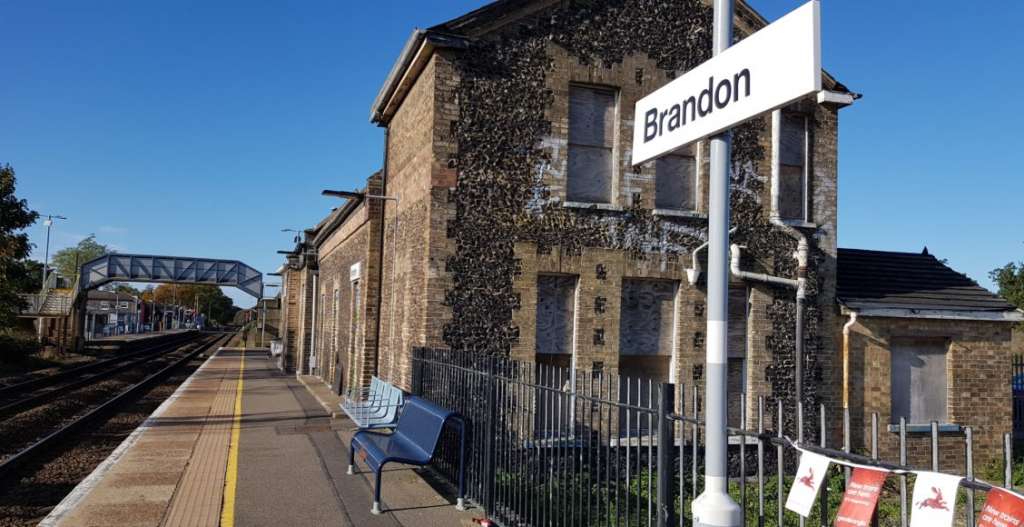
x=1002 y=509
x=860 y=498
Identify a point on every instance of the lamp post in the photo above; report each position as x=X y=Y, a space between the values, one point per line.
x=46 y=258
x=46 y=263
x=298 y=234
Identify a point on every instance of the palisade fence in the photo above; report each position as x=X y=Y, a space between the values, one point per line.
x=550 y=446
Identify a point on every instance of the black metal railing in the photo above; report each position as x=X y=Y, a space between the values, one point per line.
x=552 y=446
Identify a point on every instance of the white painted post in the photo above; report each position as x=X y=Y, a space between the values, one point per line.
x=714 y=507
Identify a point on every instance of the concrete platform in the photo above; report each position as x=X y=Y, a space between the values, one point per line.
x=242 y=444
x=131 y=337
x=132 y=341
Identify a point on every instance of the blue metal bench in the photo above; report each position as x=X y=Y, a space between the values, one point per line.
x=412 y=442
x=377 y=407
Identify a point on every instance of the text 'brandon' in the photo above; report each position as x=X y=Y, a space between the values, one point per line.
x=657 y=122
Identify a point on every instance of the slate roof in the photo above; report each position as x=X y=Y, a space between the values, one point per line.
x=460 y=32
x=917 y=281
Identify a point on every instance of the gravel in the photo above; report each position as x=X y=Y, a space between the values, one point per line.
x=44 y=483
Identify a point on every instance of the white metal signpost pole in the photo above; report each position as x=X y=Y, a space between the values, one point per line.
x=714 y=507
x=769 y=69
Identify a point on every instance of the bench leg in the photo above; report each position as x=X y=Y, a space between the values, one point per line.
x=351 y=457
x=376 y=494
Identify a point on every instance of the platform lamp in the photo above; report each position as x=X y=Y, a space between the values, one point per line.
x=263 y=300
x=48 y=222
x=298 y=234
x=394 y=261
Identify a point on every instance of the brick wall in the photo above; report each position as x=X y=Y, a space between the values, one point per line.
x=977 y=376
x=422 y=169
x=290 y=315
x=630 y=184
x=414 y=260
x=305 y=305
x=347 y=334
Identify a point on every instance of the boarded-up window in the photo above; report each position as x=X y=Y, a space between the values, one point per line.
x=647 y=313
x=556 y=301
x=675 y=185
x=647 y=316
x=793 y=167
x=591 y=138
x=737 y=351
x=554 y=407
x=555 y=312
x=919 y=380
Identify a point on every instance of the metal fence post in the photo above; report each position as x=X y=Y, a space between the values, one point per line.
x=417 y=372
x=489 y=435
x=666 y=441
x=1008 y=461
x=969 y=461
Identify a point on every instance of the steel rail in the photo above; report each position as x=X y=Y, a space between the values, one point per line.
x=41 y=382
x=44 y=445
x=122 y=363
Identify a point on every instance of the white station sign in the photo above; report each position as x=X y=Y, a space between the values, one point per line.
x=767 y=70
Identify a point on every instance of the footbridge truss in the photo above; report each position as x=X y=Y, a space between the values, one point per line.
x=170 y=270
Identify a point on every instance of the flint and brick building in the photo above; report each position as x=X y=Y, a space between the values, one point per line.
x=508 y=219
x=924 y=343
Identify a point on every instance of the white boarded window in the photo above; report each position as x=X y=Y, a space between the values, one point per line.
x=647 y=317
x=675 y=184
x=919 y=380
x=793 y=167
x=556 y=310
x=646 y=341
x=591 y=142
x=556 y=299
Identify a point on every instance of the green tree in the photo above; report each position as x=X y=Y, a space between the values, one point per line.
x=125 y=289
x=26 y=276
x=212 y=301
x=1010 y=279
x=14 y=246
x=68 y=260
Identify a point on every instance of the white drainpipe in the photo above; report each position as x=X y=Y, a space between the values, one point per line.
x=693 y=273
x=846 y=358
x=801 y=255
x=735 y=252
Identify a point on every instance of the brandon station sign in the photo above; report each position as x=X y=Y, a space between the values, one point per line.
x=769 y=69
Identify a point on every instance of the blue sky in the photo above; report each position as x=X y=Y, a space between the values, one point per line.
x=204 y=128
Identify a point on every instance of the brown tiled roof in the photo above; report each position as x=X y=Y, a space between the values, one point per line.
x=918 y=281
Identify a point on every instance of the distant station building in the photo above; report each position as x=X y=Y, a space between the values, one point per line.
x=110 y=313
x=508 y=219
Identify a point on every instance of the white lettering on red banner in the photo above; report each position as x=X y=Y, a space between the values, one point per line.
x=1002 y=509
x=860 y=497
x=804 y=490
x=934 y=500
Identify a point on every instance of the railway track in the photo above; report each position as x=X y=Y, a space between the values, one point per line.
x=12 y=386
x=108 y=395
x=30 y=394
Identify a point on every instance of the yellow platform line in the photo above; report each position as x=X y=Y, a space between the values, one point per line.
x=227 y=513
